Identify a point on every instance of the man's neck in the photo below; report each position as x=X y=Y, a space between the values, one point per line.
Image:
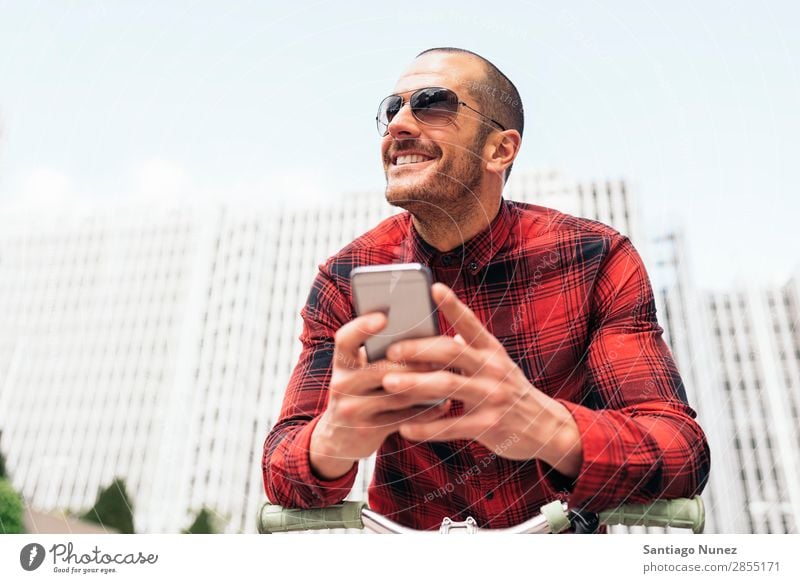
x=446 y=231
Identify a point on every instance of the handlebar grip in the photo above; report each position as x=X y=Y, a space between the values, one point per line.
x=679 y=513
x=274 y=518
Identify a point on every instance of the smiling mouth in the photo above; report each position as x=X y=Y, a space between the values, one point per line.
x=411 y=160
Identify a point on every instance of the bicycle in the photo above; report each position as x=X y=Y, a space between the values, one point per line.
x=553 y=518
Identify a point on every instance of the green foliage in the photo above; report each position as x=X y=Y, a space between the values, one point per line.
x=11 y=509
x=2 y=466
x=113 y=508
x=204 y=523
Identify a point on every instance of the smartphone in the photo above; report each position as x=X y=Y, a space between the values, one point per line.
x=402 y=291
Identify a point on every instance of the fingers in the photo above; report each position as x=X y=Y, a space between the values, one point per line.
x=462 y=318
x=442 y=351
x=360 y=381
x=422 y=386
x=381 y=401
x=394 y=419
x=447 y=429
x=350 y=337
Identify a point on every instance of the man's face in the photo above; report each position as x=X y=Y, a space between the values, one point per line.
x=452 y=165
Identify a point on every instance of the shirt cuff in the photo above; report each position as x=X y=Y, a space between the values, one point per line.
x=325 y=492
x=600 y=482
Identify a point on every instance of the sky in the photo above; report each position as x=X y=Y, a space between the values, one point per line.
x=695 y=104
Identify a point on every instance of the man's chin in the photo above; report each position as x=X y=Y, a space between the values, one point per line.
x=418 y=202
x=401 y=196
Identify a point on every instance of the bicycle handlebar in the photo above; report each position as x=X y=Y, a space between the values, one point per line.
x=680 y=513
x=273 y=518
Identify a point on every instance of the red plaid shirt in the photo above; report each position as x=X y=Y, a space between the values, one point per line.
x=571 y=302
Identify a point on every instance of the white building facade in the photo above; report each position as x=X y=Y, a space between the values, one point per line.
x=758 y=351
x=155 y=345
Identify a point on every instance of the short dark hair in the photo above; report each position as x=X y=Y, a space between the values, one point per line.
x=495 y=93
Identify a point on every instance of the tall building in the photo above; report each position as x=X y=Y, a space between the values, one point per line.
x=739 y=354
x=98 y=318
x=758 y=349
x=608 y=201
x=155 y=345
x=688 y=332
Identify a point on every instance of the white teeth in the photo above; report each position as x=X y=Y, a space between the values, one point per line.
x=410 y=159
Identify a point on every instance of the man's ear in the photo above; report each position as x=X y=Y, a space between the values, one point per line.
x=503 y=148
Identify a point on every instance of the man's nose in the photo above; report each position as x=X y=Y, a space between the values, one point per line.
x=404 y=124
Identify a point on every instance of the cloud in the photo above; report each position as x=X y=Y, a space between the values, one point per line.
x=291 y=187
x=42 y=188
x=159 y=181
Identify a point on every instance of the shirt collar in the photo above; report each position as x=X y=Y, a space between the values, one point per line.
x=472 y=255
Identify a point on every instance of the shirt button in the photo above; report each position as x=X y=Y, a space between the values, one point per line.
x=473 y=266
x=447 y=260
x=489 y=495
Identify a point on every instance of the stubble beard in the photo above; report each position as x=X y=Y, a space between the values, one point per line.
x=450 y=191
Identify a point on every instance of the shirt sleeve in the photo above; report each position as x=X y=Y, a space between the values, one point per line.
x=288 y=477
x=639 y=436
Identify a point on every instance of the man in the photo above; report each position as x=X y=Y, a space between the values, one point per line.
x=556 y=379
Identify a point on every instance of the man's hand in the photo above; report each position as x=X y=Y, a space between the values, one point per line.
x=499 y=401
x=360 y=414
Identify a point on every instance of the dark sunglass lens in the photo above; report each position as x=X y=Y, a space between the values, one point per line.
x=434 y=106
x=386 y=112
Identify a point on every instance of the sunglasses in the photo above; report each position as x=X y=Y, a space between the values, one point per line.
x=433 y=106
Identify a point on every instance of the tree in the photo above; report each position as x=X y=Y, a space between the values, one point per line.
x=113 y=508
x=204 y=523
x=3 y=473
x=11 y=509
